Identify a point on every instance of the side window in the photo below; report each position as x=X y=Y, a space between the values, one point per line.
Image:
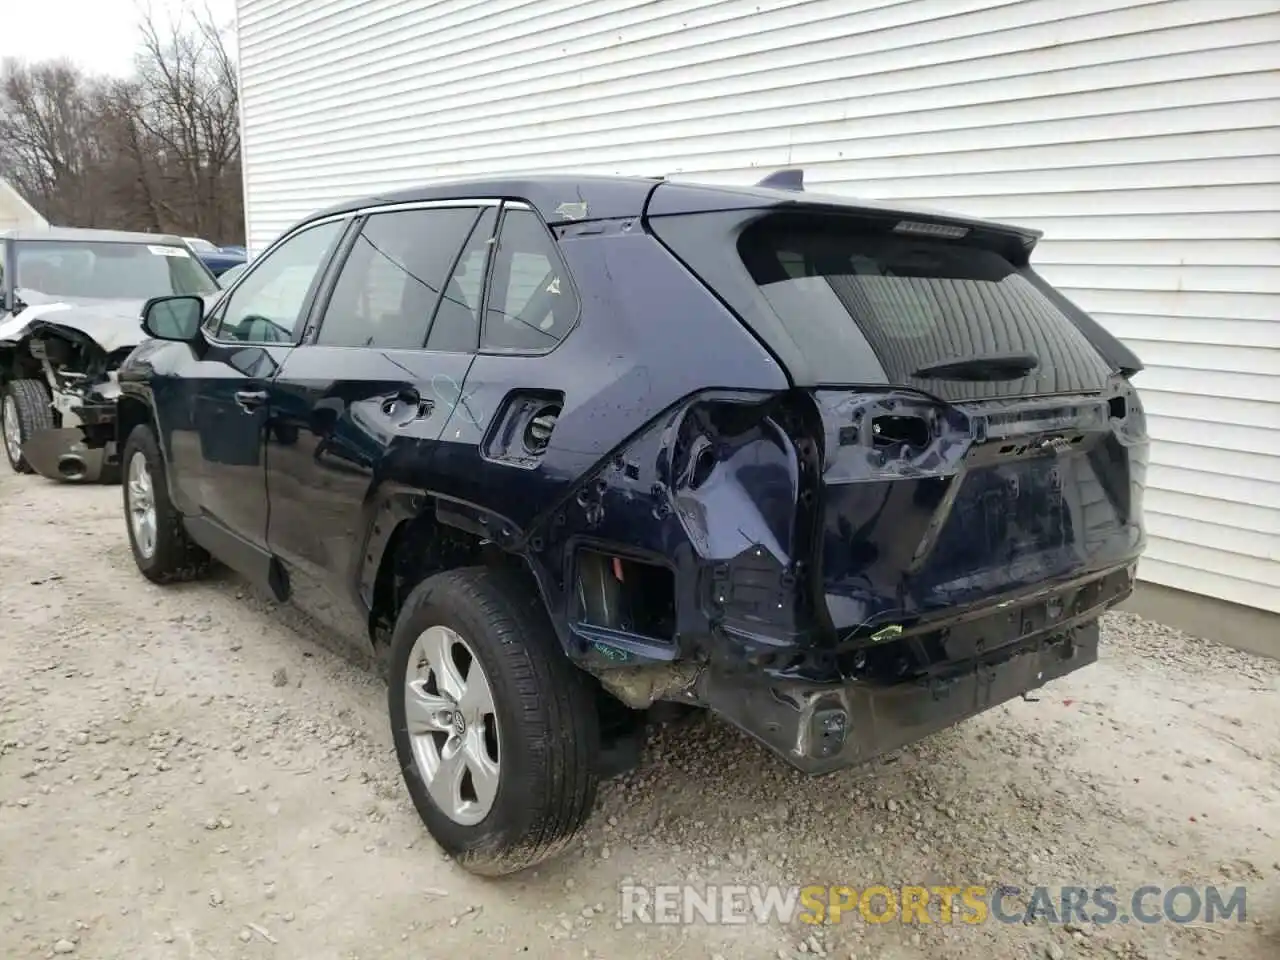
x=456 y=327
x=532 y=306
x=391 y=281
x=267 y=306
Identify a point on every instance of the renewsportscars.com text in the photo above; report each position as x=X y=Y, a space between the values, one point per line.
x=968 y=904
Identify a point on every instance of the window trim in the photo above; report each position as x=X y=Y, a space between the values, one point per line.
x=424 y=205
x=314 y=315
x=309 y=301
x=567 y=275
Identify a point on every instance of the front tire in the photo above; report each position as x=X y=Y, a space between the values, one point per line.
x=25 y=410
x=161 y=546
x=495 y=730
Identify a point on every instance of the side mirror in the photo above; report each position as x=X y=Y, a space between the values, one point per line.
x=173 y=318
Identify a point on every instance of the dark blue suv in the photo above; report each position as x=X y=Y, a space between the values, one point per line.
x=560 y=453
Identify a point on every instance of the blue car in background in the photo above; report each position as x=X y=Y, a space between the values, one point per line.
x=217 y=259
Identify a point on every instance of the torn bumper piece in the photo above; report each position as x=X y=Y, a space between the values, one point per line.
x=76 y=454
x=843 y=707
x=822 y=727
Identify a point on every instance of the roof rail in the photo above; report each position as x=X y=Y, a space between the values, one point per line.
x=791 y=178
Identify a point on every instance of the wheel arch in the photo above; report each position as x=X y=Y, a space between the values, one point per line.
x=411 y=536
x=414 y=536
x=131 y=412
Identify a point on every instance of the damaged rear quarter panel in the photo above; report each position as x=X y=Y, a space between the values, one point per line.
x=649 y=341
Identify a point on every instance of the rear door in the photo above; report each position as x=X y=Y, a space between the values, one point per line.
x=362 y=402
x=515 y=389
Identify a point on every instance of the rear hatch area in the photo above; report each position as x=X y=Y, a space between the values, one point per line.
x=982 y=452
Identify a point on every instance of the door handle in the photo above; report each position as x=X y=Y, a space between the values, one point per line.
x=250 y=400
x=408 y=397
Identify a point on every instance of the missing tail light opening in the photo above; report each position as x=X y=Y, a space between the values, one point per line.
x=893 y=430
x=627 y=595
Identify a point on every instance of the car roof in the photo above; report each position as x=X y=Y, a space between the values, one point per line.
x=605 y=197
x=564 y=198
x=85 y=235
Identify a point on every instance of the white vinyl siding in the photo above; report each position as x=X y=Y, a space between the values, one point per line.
x=1142 y=136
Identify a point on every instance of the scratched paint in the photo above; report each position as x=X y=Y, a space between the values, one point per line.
x=448 y=393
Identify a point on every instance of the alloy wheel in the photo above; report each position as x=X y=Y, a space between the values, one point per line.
x=142 y=505
x=12 y=430
x=452 y=725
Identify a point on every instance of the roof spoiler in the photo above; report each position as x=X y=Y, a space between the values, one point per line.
x=791 y=178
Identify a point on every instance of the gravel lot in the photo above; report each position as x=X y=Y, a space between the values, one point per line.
x=187 y=773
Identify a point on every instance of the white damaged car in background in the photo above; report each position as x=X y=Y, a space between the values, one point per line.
x=70 y=312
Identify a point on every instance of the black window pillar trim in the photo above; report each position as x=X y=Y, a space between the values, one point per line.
x=490 y=262
x=449 y=272
x=319 y=303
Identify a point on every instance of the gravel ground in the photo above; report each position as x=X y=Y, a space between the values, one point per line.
x=187 y=773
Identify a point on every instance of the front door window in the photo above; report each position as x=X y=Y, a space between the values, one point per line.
x=271 y=301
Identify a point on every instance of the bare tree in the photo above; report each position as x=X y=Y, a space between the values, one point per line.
x=190 y=108
x=159 y=151
x=49 y=138
x=134 y=181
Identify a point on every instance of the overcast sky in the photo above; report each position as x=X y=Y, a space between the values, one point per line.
x=99 y=36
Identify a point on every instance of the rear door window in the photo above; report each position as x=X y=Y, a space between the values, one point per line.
x=955 y=319
x=391 y=281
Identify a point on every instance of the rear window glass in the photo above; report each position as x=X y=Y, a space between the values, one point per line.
x=918 y=302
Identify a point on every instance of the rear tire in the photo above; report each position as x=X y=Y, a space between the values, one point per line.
x=162 y=549
x=25 y=410
x=532 y=776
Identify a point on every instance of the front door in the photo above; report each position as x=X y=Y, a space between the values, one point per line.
x=361 y=404
x=254 y=330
